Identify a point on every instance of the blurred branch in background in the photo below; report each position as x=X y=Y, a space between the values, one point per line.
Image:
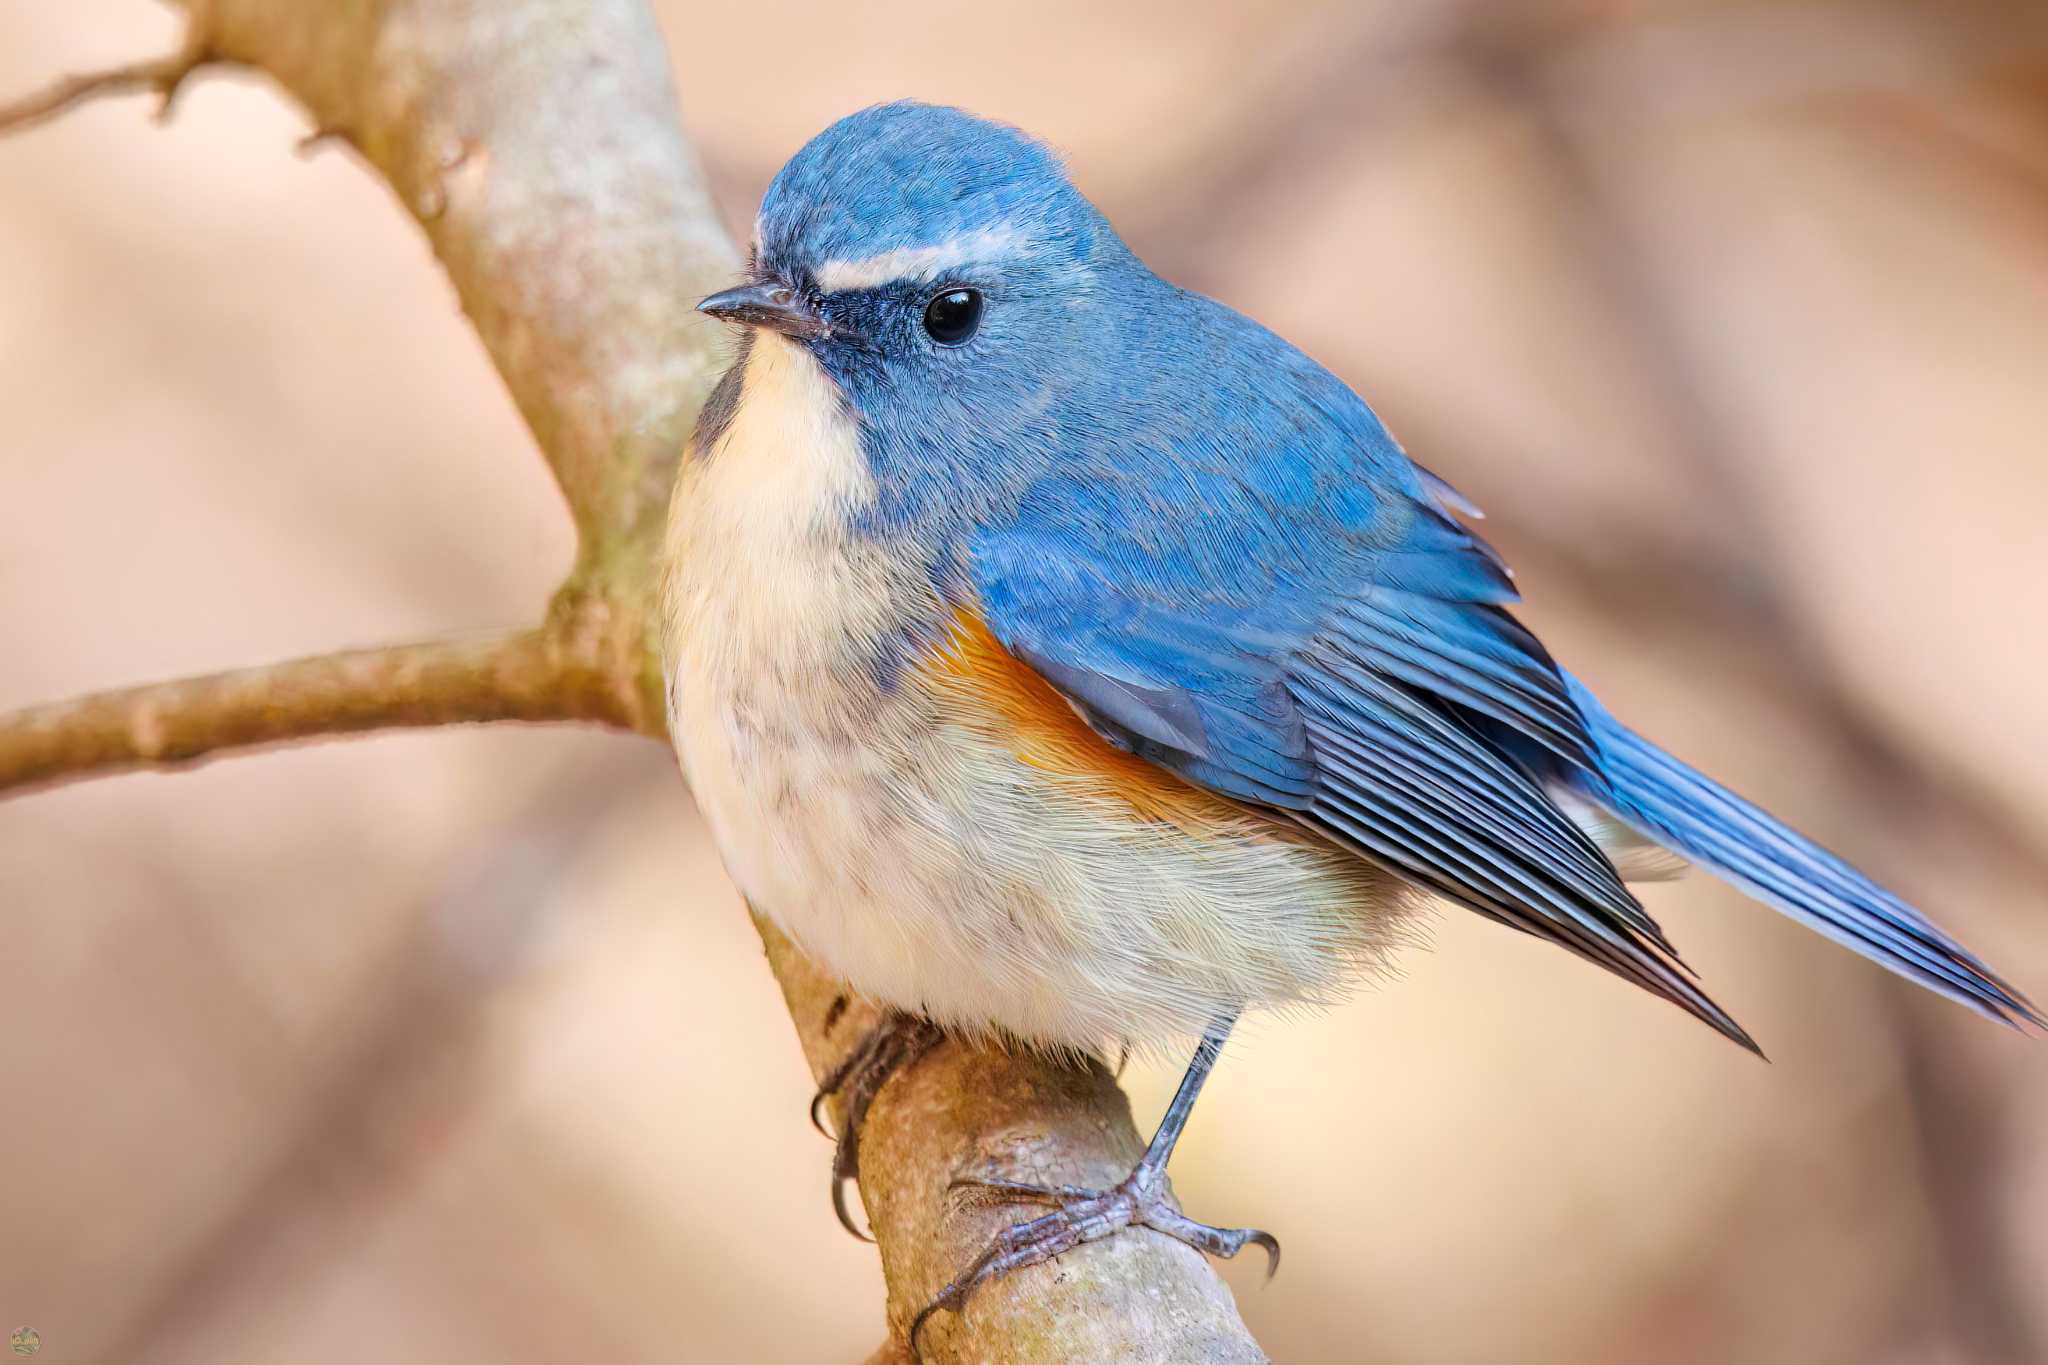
x=537 y=145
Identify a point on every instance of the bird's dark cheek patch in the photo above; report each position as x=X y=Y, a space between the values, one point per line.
x=715 y=418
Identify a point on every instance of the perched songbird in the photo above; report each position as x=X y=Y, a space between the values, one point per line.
x=1061 y=656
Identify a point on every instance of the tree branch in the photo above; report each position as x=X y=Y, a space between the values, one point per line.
x=164 y=75
x=964 y=1110
x=538 y=147
x=527 y=675
x=537 y=144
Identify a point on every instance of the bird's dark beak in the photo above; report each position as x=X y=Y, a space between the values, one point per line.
x=774 y=306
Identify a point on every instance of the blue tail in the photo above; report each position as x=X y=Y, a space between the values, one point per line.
x=1697 y=817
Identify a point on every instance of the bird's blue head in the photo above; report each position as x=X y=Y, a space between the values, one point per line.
x=940 y=268
x=914 y=194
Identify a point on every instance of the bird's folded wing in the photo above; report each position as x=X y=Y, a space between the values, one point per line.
x=1346 y=663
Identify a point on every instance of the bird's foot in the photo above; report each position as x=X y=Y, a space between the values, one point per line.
x=1080 y=1216
x=892 y=1044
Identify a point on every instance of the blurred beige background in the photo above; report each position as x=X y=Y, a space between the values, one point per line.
x=456 y=1046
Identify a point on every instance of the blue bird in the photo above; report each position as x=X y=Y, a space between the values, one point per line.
x=1060 y=656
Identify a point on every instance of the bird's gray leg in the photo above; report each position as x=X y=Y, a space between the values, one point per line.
x=1081 y=1216
x=893 y=1043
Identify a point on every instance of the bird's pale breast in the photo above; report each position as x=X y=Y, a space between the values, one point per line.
x=948 y=835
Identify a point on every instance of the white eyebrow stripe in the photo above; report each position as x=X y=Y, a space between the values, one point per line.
x=917 y=262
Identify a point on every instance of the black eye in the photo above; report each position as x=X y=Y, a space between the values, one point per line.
x=951 y=318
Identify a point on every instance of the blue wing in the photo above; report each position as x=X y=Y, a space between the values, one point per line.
x=1309 y=629
x=1262 y=594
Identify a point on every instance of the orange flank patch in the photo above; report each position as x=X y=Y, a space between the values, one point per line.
x=998 y=694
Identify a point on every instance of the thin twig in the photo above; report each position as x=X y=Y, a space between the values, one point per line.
x=164 y=75
x=524 y=675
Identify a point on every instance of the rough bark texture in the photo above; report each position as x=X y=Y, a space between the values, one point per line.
x=537 y=144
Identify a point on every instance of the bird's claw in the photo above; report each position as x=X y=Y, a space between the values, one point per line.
x=888 y=1047
x=1078 y=1216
